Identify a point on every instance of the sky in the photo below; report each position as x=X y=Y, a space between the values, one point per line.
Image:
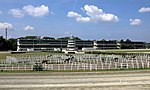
x=87 y=19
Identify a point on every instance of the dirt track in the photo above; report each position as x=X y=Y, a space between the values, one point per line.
x=128 y=80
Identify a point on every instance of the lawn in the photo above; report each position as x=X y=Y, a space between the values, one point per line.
x=121 y=51
x=3 y=55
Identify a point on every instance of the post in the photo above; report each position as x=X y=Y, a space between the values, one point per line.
x=110 y=64
x=147 y=64
x=6 y=32
x=115 y=65
x=78 y=66
x=25 y=67
x=127 y=66
x=90 y=67
x=12 y=67
x=52 y=66
x=18 y=67
x=84 y=66
x=96 y=67
x=64 y=67
x=71 y=66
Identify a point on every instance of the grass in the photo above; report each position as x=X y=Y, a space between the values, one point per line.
x=116 y=51
x=3 y=55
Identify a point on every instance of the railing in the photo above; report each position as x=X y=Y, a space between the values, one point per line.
x=77 y=62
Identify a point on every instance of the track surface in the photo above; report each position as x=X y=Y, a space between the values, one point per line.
x=118 y=80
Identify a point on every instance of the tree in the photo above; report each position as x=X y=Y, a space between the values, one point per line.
x=3 y=44
x=29 y=37
x=67 y=38
x=12 y=44
x=128 y=40
x=51 y=38
x=121 y=41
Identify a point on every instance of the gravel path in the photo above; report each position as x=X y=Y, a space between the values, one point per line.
x=76 y=81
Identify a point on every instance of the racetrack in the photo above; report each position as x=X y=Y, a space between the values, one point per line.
x=113 y=80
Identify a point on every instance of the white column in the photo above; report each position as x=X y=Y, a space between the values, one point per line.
x=12 y=67
x=71 y=66
x=64 y=67
x=25 y=68
x=142 y=62
x=52 y=66
x=147 y=64
x=127 y=66
x=90 y=67
x=18 y=67
x=132 y=63
x=96 y=67
x=115 y=65
x=78 y=66
x=84 y=66
x=58 y=66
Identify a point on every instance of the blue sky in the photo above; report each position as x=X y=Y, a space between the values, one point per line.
x=87 y=19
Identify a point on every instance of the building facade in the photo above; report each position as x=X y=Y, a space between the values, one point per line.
x=51 y=45
x=39 y=44
x=106 y=45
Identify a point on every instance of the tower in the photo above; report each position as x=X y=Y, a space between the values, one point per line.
x=6 y=33
x=71 y=44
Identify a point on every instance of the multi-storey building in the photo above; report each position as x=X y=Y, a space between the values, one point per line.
x=51 y=45
x=133 y=45
x=39 y=44
x=106 y=45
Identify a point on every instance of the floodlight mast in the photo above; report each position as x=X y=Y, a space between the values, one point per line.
x=6 y=32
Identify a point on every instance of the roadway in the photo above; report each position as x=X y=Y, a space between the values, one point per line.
x=118 y=80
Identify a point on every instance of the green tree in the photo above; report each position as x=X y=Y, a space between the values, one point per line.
x=3 y=44
x=51 y=38
x=12 y=44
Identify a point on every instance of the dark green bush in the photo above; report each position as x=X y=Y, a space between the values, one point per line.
x=37 y=67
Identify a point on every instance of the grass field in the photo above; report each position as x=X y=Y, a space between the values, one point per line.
x=4 y=54
x=121 y=51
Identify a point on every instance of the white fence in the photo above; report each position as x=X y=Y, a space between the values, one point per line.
x=77 y=62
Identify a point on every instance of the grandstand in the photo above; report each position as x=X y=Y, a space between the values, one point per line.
x=41 y=44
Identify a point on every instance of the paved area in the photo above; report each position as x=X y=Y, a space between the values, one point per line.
x=128 y=80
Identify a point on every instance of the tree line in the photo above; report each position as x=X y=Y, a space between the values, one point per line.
x=6 y=45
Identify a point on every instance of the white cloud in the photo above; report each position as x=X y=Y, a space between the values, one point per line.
x=29 y=28
x=94 y=15
x=83 y=19
x=73 y=14
x=6 y=25
x=18 y=13
x=135 y=22
x=52 y=13
x=144 y=9
x=36 y=11
x=0 y=12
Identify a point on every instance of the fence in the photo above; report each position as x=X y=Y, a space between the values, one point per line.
x=77 y=62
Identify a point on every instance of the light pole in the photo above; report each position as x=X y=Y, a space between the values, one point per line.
x=6 y=33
